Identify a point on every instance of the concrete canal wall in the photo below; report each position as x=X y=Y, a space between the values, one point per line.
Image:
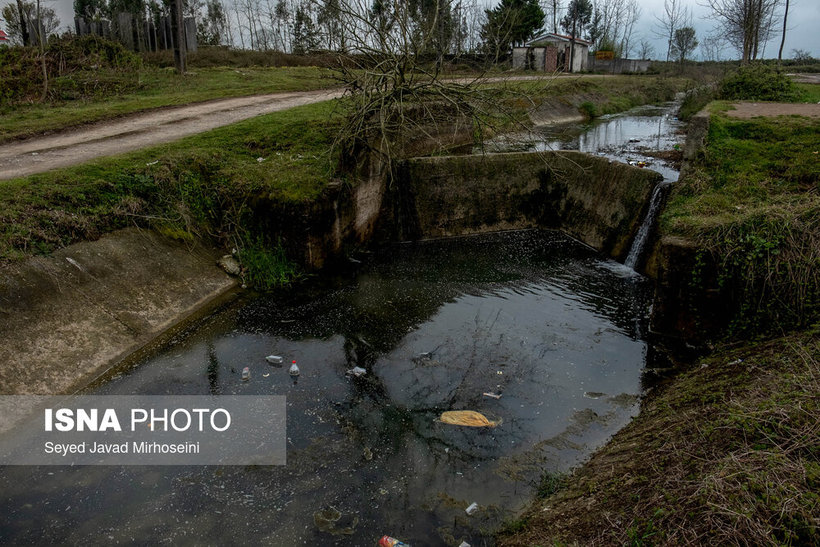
x=70 y=317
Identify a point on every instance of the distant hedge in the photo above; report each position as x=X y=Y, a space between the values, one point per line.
x=77 y=67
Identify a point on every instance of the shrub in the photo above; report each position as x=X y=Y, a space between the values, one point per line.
x=77 y=67
x=757 y=83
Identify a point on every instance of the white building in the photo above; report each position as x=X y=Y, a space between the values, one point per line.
x=552 y=52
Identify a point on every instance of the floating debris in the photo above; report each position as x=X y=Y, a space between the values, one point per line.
x=266 y=375
x=468 y=418
x=294 y=370
x=472 y=508
x=327 y=520
x=357 y=371
x=593 y=394
x=230 y=265
x=246 y=373
x=274 y=359
x=387 y=541
x=492 y=395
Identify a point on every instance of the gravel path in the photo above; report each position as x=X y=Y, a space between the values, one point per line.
x=75 y=146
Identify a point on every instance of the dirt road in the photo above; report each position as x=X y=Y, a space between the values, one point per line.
x=75 y=146
x=748 y=110
x=143 y=129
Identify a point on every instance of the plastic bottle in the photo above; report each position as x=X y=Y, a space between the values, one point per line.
x=387 y=541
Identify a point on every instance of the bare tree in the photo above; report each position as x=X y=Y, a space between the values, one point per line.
x=645 y=49
x=552 y=11
x=711 y=48
x=783 y=39
x=674 y=16
x=394 y=97
x=28 y=22
x=745 y=23
x=23 y=23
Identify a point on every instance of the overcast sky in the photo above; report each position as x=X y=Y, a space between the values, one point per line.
x=803 y=33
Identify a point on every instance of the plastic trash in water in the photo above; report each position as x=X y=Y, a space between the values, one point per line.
x=468 y=418
x=387 y=541
x=274 y=359
x=294 y=370
x=492 y=395
x=463 y=544
x=472 y=508
x=246 y=373
x=357 y=371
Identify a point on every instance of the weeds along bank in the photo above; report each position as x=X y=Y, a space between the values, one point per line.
x=740 y=247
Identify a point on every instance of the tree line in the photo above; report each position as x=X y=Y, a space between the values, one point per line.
x=446 y=27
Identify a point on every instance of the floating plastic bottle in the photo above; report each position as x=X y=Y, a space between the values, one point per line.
x=472 y=508
x=387 y=541
x=246 y=373
x=294 y=370
x=357 y=371
x=274 y=359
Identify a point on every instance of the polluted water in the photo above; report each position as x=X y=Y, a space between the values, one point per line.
x=436 y=325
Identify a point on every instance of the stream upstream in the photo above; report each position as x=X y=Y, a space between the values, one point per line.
x=549 y=325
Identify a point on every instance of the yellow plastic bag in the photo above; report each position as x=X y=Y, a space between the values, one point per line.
x=468 y=418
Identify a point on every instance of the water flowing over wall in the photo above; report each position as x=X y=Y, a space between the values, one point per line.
x=599 y=202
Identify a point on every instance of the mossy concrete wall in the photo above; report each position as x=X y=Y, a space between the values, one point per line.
x=688 y=302
x=599 y=202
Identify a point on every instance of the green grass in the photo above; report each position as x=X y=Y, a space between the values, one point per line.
x=808 y=93
x=201 y=185
x=751 y=202
x=266 y=265
x=156 y=88
x=591 y=95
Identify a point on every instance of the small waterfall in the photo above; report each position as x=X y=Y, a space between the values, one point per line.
x=641 y=238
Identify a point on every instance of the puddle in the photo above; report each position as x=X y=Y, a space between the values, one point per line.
x=531 y=316
x=635 y=136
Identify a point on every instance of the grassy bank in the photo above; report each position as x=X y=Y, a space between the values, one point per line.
x=150 y=88
x=725 y=454
x=598 y=95
x=751 y=202
x=198 y=186
x=202 y=185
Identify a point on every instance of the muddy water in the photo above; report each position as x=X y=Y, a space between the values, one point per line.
x=533 y=316
x=633 y=137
